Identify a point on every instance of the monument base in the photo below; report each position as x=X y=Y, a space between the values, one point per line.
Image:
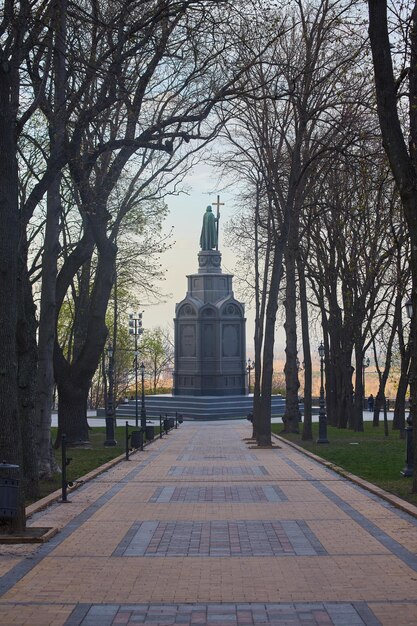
x=199 y=407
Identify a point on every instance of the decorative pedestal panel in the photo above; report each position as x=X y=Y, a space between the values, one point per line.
x=209 y=334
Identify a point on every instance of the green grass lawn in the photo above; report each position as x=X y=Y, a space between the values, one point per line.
x=84 y=460
x=370 y=455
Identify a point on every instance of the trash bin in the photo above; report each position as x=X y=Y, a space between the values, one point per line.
x=150 y=433
x=136 y=439
x=166 y=425
x=9 y=491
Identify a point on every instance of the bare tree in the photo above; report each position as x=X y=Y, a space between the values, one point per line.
x=400 y=143
x=164 y=65
x=158 y=352
x=181 y=61
x=349 y=269
x=283 y=131
x=23 y=34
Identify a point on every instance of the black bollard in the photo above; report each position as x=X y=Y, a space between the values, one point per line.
x=176 y=419
x=160 y=427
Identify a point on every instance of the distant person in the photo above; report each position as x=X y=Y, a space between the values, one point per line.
x=371 y=403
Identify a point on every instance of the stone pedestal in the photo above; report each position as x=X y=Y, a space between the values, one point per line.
x=209 y=334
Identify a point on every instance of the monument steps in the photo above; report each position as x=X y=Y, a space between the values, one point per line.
x=198 y=407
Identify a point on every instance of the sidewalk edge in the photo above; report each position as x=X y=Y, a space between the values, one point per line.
x=396 y=501
x=43 y=503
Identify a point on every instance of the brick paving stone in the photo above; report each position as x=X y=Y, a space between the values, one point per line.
x=200 y=529
x=316 y=614
x=221 y=494
x=227 y=456
x=215 y=470
x=219 y=538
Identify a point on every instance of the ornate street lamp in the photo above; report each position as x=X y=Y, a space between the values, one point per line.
x=135 y=328
x=409 y=436
x=110 y=440
x=249 y=367
x=322 y=410
x=142 y=407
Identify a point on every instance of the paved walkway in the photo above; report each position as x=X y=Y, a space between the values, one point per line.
x=200 y=528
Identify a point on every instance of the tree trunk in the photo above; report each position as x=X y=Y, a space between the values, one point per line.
x=46 y=337
x=72 y=404
x=46 y=340
x=307 y=434
x=358 y=405
x=264 y=432
x=348 y=371
x=74 y=378
x=332 y=328
x=402 y=158
x=378 y=405
x=10 y=434
x=380 y=396
x=292 y=384
x=386 y=431
x=399 y=410
x=413 y=362
x=339 y=389
x=345 y=413
x=27 y=353
x=332 y=386
x=280 y=242
x=260 y=306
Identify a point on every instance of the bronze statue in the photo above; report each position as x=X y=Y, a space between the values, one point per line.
x=208 y=239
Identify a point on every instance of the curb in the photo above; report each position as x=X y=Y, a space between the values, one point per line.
x=44 y=503
x=396 y=501
x=44 y=534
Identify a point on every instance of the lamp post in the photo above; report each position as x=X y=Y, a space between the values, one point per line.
x=136 y=388
x=249 y=367
x=135 y=328
x=322 y=410
x=110 y=440
x=365 y=364
x=142 y=407
x=409 y=436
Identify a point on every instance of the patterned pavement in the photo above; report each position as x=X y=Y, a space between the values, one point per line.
x=200 y=528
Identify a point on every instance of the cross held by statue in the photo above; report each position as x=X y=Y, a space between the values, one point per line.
x=218 y=204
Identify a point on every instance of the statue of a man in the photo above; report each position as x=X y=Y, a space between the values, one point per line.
x=208 y=239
